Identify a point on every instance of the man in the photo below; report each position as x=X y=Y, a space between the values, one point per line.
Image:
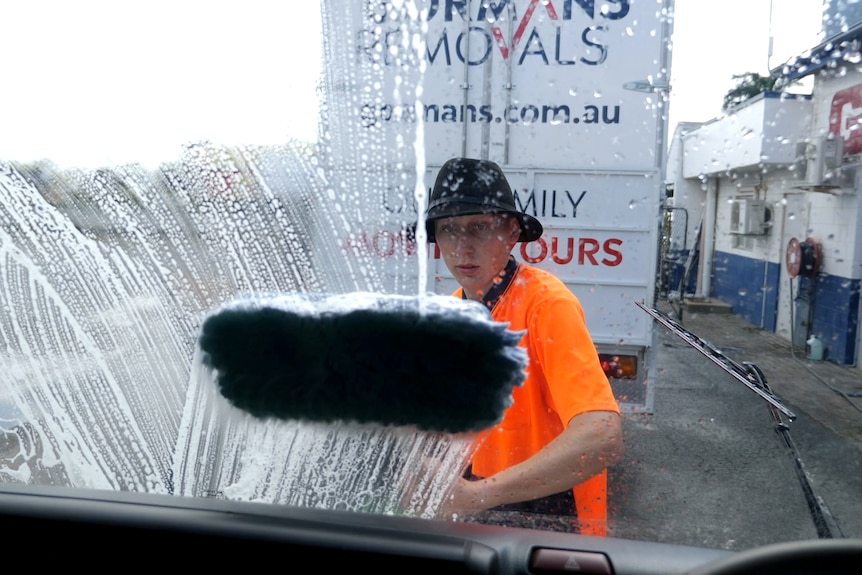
x=563 y=429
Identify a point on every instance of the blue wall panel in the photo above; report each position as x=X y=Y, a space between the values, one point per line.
x=749 y=285
x=739 y=281
x=834 y=320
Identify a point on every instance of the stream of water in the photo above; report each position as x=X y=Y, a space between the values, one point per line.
x=105 y=277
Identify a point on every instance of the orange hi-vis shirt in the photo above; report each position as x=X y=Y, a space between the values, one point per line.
x=564 y=379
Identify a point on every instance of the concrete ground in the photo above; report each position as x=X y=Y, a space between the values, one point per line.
x=707 y=468
x=827 y=392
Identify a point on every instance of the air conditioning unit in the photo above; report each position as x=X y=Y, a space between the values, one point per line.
x=820 y=159
x=749 y=217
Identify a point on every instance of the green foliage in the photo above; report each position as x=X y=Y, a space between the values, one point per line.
x=748 y=85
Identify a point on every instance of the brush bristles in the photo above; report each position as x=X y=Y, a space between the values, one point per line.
x=435 y=365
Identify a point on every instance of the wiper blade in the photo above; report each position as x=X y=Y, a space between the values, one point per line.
x=824 y=521
x=751 y=375
x=741 y=373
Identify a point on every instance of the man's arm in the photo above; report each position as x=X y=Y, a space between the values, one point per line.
x=591 y=442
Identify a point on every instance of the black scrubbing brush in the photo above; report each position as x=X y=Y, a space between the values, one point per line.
x=433 y=362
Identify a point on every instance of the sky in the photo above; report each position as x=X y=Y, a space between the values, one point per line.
x=715 y=39
x=92 y=82
x=99 y=82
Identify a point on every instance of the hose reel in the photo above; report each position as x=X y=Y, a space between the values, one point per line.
x=802 y=258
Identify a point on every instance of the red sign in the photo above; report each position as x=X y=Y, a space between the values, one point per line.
x=845 y=118
x=589 y=251
x=561 y=250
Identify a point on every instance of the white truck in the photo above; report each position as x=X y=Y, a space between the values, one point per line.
x=568 y=96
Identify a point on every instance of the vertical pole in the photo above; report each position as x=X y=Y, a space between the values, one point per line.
x=707 y=248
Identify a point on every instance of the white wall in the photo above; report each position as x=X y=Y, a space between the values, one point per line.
x=763 y=131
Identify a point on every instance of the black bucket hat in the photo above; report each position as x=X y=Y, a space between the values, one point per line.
x=466 y=187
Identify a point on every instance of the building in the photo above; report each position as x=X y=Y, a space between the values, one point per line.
x=771 y=192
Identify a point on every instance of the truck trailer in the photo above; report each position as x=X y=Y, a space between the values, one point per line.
x=569 y=97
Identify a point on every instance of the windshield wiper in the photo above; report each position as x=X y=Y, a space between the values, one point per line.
x=824 y=522
x=751 y=375
x=739 y=372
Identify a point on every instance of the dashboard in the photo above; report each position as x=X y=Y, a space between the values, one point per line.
x=146 y=530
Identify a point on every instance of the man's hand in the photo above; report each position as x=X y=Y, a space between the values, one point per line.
x=590 y=443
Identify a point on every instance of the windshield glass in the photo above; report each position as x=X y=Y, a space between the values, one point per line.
x=161 y=161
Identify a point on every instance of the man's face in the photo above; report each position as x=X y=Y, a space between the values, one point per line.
x=476 y=248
